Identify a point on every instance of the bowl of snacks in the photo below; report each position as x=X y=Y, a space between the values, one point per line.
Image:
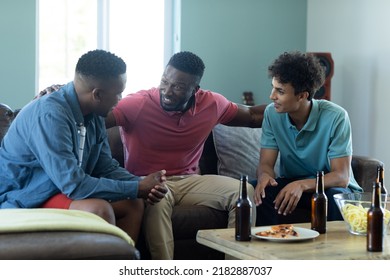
x=354 y=207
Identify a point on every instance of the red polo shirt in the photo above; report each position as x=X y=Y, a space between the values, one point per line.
x=155 y=139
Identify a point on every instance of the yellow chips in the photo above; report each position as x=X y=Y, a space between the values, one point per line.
x=356 y=217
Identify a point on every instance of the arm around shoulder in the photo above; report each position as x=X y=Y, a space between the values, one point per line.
x=110 y=120
x=249 y=116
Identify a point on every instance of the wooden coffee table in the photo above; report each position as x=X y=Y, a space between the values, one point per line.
x=336 y=243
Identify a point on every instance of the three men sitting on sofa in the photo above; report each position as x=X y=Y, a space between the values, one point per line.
x=165 y=128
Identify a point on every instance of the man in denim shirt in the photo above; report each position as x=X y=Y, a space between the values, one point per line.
x=56 y=153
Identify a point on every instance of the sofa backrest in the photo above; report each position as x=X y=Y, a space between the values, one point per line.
x=6 y=117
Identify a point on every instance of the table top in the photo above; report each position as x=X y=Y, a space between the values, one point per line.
x=336 y=243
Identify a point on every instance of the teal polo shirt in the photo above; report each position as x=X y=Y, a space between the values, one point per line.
x=326 y=135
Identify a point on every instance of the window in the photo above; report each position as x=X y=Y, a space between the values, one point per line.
x=136 y=31
x=132 y=29
x=66 y=30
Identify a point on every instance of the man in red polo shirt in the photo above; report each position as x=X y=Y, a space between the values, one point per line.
x=166 y=127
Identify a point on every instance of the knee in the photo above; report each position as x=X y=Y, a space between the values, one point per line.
x=330 y=192
x=133 y=208
x=250 y=190
x=98 y=207
x=164 y=208
x=336 y=190
x=103 y=209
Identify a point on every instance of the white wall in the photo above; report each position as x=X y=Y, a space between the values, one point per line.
x=356 y=32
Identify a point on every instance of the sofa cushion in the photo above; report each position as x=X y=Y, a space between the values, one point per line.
x=238 y=150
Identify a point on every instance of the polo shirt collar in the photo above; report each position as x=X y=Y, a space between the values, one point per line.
x=313 y=116
x=311 y=123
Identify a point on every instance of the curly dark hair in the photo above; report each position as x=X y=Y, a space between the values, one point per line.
x=100 y=64
x=303 y=70
x=188 y=62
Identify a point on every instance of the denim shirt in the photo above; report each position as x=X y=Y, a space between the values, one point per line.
x=39 y=156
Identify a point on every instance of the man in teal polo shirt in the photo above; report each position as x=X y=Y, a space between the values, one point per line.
x=310 y=135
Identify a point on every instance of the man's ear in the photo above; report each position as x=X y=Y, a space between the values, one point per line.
x=97 y=94
x=196 y=89
x=304 y=95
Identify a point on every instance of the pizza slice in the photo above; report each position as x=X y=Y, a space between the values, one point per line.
x=279 y=231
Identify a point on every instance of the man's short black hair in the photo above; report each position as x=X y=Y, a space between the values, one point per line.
x=303 y=70
x=188 y=62
x=100 y=64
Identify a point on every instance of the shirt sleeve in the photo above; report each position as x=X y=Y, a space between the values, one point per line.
x=341 y=138
x=54 y=145
x=226 y=110
x=128 y=108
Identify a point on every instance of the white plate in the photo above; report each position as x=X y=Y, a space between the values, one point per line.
x=303 y=234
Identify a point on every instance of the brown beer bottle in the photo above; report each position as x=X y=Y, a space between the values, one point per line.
x=243 y=213
x=375 y=221
x=319 y=205
x=380 y=178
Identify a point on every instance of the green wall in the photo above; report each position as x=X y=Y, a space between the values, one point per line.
x=238 y=39
x=17 y=52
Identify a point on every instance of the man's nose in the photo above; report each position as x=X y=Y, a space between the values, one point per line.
x=272 y=95
x=168 y=89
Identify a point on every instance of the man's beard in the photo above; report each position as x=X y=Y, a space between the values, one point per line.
x=177 y=107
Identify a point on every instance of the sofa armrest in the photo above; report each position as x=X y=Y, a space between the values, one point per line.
x=364 y=169
x=65 y=245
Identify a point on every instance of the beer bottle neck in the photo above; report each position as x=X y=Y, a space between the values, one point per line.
x=376 y=195
x=243 y=190
x=320 y=182
x=379 y=174
x=380 y=178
